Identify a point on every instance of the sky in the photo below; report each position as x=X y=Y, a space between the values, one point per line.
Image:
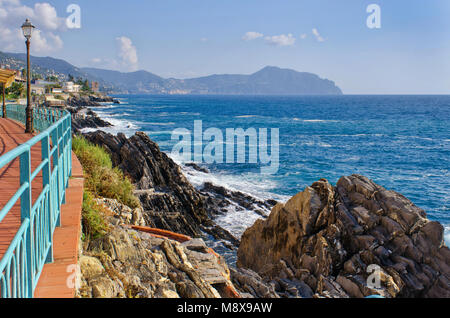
x=408 y=54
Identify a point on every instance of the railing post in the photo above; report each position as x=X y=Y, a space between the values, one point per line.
x=64 y=157
x=25 y=209
x=61 y=163
x=70 y=145
x=46 y=175
x=55 y=160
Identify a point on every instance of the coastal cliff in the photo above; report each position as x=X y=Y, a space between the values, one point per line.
x=131 y=263
x=168 y=199
x=129 y=249
x=326 y=241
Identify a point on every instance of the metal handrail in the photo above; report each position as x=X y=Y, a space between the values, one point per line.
x=32 y=246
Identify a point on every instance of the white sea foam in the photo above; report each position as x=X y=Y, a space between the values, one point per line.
x=128 y=127
x=159 y=132
x=236 y=220
x=106 y=106
x=248 y=183
x=161 y=107
x=187 y=114
x=319 y=121
x=351 y=159
x=161 y=124
x=247 y=116
x=447 y=235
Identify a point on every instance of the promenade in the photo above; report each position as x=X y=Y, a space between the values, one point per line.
x=53 y=281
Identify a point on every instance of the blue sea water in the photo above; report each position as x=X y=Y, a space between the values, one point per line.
x=401 y=142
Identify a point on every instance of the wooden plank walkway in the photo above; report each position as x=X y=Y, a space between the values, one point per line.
x=53 y=280
x=12 y=134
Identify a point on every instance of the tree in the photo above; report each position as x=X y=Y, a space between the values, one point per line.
x=15 y=90
x=85 y=87
x=71 y=78
x=36 y=76
x=52 y=78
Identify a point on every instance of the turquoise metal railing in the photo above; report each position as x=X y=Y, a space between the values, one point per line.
x=31 y=248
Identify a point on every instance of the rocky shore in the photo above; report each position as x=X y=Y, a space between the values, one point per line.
x=324 y=242
x=83 y=117
x=91 y=100
x=169 y=201
x=130 y=263
x=327 y=242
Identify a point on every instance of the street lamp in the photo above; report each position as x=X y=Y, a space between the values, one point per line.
x=27 y=29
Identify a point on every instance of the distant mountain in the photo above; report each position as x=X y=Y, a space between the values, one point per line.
x=50 y=63
x=268 y=81
x=140 y=81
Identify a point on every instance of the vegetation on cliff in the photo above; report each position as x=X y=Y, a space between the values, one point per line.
x=101 y=180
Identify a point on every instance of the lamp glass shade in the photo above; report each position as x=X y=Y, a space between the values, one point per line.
x=27 y=29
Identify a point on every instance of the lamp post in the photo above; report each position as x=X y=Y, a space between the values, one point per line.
x=27 y=29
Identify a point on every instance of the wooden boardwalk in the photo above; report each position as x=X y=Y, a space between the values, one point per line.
x=54 y=277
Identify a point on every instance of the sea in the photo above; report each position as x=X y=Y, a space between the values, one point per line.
x=400 y=142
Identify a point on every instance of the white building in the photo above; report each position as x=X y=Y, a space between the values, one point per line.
x=57 y=91
x=71 y=87
x=37 y=89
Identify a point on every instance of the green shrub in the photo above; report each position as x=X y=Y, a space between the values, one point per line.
x=93 y=218
x=112 y=184
x=101 y=180
x=91 y=156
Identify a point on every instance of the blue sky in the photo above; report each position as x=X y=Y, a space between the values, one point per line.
x=409 y=54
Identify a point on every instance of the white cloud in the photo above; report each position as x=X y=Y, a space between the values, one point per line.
x=281 y=40
x=46 y=15
x=303 y=36
x=317 y=35
x=127 y=53
x=96 y=60
x=252 y=36
x=204 y=39
x=42 y=15
x=42 y=42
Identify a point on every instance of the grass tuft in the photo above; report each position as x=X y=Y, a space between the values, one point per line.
x=94 y=225
x=101 y=180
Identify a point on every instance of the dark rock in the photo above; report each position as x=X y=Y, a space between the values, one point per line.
x=249 y=282
x=85 y=118
x=161 y=187
x=220 y=197
x=82 y=101
x=196 y=167
x=169 y=201
x=331 y=237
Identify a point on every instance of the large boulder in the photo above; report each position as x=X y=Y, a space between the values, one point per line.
x=355 y=239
